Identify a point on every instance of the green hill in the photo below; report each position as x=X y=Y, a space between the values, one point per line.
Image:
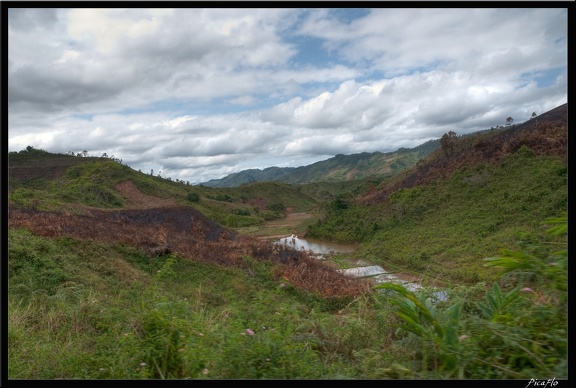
x=438 y=218
x=249 y=176
x=51 y=182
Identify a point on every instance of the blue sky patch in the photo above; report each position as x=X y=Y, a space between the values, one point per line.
x=348 y=15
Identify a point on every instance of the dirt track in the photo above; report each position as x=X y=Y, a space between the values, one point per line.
x=291 y=220
x=280 y=228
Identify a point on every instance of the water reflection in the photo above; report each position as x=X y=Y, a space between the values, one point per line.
x=379 y=274
x=317 y=246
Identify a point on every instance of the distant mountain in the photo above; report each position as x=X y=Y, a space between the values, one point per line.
x=249 y=176
x=338 y=168
x=358 y=166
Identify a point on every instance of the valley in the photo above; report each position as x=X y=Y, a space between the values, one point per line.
x=111 y=270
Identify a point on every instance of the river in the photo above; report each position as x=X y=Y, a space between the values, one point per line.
x=319 y=247
x=324 y=250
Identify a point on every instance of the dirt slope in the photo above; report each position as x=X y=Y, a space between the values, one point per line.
x=138 y=200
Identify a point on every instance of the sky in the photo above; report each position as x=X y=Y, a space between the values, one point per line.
x=197 y=93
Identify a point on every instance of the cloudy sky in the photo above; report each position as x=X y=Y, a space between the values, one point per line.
x=201 y=93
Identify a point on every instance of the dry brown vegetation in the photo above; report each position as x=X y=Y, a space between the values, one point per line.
x=188 y=233
x=544 y=135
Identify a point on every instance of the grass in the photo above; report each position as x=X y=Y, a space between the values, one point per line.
x=73 y=316
x=83 y=309
x=87 y=300
x=55 y=182
x=487 y=208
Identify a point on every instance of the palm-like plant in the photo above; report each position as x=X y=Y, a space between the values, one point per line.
x=438 y=326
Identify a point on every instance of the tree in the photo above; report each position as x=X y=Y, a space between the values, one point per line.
x=448 y=142
x=533 y=115
x=509 y=120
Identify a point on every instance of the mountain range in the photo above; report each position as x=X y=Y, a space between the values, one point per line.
x=346 y=167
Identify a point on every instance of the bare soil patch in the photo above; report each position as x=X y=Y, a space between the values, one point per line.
x=138 y=200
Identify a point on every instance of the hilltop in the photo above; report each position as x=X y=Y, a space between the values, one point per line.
x=544 y=135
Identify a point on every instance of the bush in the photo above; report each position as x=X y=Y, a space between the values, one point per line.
x=276 y=207
x=511 y=334
x=193 y=197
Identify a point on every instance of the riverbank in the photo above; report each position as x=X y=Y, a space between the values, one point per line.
x=338 y=256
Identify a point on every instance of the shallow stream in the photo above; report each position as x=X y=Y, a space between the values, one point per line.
x=323 y=248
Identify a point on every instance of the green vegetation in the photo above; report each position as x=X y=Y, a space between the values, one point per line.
x=55 y=182
x=486 y=207
x=116 y=274
x=510 y=334
x=341 y=168
x=82 y=310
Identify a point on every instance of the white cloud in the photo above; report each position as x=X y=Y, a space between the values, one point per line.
x=67 y=55
x=201 y=93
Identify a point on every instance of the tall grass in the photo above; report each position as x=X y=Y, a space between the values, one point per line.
x=171 y=318
x=175 y=318
x=514 y=333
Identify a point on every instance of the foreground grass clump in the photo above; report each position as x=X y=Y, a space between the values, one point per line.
x=514 y=333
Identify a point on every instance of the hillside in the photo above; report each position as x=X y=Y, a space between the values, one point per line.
x=51 y=182
x=377 y=164
x=460 y=203
x=109 y=212
x=249 y=176
x=544 y=135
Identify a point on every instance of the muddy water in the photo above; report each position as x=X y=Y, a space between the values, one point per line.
x=323 y=250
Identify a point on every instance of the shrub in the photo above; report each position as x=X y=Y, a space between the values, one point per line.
x=193 y=197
